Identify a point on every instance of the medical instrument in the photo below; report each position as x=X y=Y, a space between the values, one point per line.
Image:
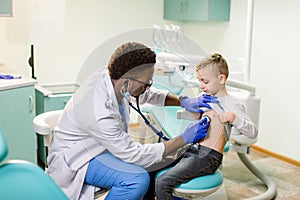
x=200 y=133
x=207 y=119
x=147 y=122
x=194 y=129
x=127 y=96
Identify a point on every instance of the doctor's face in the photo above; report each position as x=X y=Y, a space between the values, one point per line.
x=141 y=82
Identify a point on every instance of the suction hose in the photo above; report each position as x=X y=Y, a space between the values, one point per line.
x=271 y=187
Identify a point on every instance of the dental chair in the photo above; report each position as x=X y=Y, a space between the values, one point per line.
x=20 y=179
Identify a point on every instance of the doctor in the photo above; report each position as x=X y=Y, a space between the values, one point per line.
x=91 y=147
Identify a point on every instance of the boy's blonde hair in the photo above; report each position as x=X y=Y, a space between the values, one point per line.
x=217 y=60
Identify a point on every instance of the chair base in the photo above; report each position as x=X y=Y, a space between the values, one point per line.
x=194 y=194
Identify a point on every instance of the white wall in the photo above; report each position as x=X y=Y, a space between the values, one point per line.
x=88 y=23
x=275 y=70
x=14 y=44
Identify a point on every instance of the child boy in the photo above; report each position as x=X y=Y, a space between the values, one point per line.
x=206 y=156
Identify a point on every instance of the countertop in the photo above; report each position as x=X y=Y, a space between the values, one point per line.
x=6 y=84
x=57 y=89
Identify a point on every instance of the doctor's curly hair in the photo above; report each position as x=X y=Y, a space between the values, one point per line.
x=128 y=57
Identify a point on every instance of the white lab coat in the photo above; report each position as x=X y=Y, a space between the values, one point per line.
x=90 y=124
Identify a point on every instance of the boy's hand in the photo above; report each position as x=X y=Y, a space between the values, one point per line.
x=194 y=104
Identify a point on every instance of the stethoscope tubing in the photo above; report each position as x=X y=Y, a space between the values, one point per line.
x=147 y=122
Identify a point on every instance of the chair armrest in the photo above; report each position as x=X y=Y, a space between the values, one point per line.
x=242 y=139
x=44 y=123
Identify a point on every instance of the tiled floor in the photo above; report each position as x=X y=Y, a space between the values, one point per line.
x=240 y=183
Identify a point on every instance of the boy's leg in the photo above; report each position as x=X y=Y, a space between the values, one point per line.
x=183 y=171
x=197 y=161
x=153 y=170
x=125 y=180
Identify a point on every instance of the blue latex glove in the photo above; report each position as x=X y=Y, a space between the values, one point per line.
x=196 y=131
x=6 y=77
x=194 y=104
x=9 y=77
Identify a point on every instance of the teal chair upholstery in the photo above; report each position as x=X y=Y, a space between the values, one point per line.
x=23 y=180
x=3 y=148
x=198 y=187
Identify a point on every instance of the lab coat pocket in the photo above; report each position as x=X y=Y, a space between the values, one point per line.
x=61 y=173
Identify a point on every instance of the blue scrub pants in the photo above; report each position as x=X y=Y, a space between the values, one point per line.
x=125 y=180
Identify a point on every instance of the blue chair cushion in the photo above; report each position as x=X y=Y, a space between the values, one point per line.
x=200 y=183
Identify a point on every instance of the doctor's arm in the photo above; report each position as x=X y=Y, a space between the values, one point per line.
x=172 y=100
x=159 y=97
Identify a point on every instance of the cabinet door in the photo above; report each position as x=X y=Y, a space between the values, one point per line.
x=17 y=112
x=197 y=10
x=56 y=102
x=51 y=102
x=219 y=10
x=174 y=9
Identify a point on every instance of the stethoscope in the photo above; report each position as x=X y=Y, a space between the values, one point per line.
x=138 y=110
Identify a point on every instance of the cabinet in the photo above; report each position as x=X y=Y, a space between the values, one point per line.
x=17 y=109
x=48 y=98
x=197 y=10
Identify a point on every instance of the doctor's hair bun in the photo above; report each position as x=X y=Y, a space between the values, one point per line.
x=129 y=56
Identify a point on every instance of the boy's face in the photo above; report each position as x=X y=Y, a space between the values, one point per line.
x=211 y=81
